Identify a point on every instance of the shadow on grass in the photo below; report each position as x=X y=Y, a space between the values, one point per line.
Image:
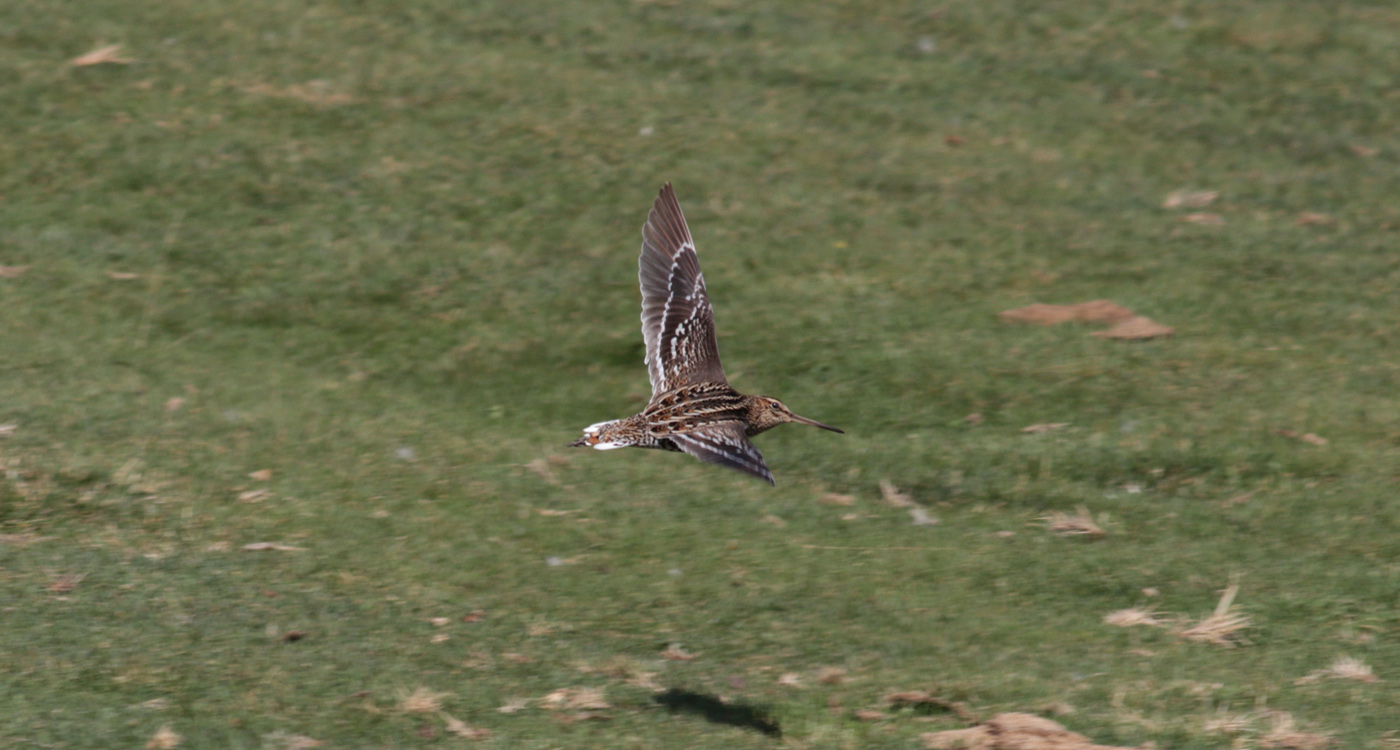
x=714 y=710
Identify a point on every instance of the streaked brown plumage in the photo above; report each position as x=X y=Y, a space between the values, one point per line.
x=693 y=408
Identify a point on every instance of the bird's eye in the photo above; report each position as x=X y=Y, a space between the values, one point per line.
x=774 y=405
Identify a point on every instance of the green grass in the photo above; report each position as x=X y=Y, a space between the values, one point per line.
x=388 y=251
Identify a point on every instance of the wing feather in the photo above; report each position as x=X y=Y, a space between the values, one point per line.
x=724 y=444
x=678 y=322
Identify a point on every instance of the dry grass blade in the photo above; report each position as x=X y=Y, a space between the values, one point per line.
x=62 y=584
x=1204 y=219
x=109 y=55
x=23 y=540
x=1222 y=626
x=893 y=496
x=1342 y=668
x=422 y=701
x=1012 y=731
x=541 y=468
x=1094 y=311
x=1283 y=734
x=1225 y=723
x=276 y=546
x=1080 y=524
x=291 y=741
x=1134 y=616
x=12 y=272
x=1190 y=198
x=315 y=92
x=674 y=652
x=1308 y=218
x=165 y=738
x=918 y=698
x=463 y=729
x=1138 y=328
x=576 y=699
x=1040 y=429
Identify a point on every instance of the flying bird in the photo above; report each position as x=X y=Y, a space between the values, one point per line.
x=693 y=409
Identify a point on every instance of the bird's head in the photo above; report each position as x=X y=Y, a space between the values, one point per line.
x=766 y=413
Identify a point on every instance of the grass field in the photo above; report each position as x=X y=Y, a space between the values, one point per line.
x=387 y=252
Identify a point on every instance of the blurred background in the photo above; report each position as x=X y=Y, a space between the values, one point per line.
x=301 y=302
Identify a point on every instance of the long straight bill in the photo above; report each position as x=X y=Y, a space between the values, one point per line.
x=815 y=423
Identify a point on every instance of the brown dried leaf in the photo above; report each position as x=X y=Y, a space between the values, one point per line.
x=1037 y=429
x=1308 y=218
x=514 y=706
x=1190 y=198
x=1237 y=499
x=122 y=275
x=790 y=679
x=831 y=675
x=62 y=584
x=165 y=738
x=12 y=272
x=870 y=714
x=276 y=546
x=253 y=496
x=1094 y=311
x=973 y=419
x=674 y=652
x=109 y=55
x=834 y=498
x=261 y=475
x=174 y=403
x=1204 y=219
x=893 y=496
x=1138 y=328
x=910 y=698
x=1365 y=152
x=463 y=729
x=1306 y=437
x=1081 y=524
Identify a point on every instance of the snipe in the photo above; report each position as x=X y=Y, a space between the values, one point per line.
x=693 y=408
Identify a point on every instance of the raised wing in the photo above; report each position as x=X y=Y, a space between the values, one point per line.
x=724 y=444
x=678 y=323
